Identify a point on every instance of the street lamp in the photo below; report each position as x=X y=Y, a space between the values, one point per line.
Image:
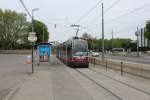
x=32 y=36
x=33 y=10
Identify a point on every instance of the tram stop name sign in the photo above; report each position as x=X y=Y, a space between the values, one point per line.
x=32 y=37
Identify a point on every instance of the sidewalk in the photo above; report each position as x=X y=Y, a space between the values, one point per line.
x=37 y=87
x=51 y=83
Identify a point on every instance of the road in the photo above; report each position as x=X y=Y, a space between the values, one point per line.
x=13 y=69
x=142 y=59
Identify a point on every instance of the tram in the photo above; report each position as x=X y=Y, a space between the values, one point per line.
x=74 y=53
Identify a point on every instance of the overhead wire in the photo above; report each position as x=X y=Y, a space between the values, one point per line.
x=114 y=4
x=128 y=13
x=88 y=12
x=25 y=8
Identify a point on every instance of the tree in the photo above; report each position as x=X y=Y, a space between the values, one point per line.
x=12 y=27
x=88 y=37
x=41 y=31
x=147 y=33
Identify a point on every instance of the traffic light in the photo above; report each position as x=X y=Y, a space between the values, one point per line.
x=55 y=25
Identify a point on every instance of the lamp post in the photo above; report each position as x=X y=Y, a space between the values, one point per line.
x=32 y=36
x=33 y=10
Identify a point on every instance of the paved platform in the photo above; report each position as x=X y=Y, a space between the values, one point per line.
x=56 y=81
x=37 y=87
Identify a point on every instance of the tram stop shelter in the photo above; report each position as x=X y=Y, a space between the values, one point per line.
x=44 y=52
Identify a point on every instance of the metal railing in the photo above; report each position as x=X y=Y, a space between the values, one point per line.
x=141 y=70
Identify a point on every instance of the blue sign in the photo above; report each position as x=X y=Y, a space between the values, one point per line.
x=44 y=52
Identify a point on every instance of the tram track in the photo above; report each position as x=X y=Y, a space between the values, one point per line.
x=126 y=71
x=100 y=85
x=99 y=79
x=121 y=82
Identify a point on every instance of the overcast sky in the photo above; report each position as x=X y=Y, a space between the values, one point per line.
x=67 y=12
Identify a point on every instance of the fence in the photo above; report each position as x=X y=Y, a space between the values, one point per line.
x=141 y=70
x=15 y=51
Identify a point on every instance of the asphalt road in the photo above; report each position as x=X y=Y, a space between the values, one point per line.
x=145 y=59
x=13 y=69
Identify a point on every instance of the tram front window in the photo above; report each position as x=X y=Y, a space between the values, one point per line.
x=81 y=54
x=80 y=48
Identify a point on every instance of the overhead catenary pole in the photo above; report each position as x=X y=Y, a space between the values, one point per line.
x=112 y=45
x=137 y=42
x=103 y=31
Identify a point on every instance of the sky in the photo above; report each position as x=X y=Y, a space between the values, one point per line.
x=123 y=18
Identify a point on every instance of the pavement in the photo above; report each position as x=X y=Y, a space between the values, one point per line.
x=56 y=81
x=50 y=82
x=13 y=70
x=36 y=87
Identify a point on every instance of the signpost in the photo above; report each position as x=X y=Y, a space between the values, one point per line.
x=32 y=38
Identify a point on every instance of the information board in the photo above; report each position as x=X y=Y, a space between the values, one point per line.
x=44 y=52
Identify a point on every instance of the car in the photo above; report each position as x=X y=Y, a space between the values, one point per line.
x=95 y=54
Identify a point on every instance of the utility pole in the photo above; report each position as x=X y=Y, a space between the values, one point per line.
x=137 y=42
x=112 y=45
x=103 y=31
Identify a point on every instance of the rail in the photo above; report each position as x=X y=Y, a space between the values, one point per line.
x=142 y=70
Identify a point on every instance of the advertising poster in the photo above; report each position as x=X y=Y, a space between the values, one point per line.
x=44 y=52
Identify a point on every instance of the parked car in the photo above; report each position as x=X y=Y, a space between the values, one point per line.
x=95 y=54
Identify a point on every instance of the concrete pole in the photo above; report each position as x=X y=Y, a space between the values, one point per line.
x=137 y=43
x=32 y=43
x=103 y=32
x=112 y=45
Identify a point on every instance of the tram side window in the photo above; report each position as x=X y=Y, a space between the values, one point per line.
x=64 y=51
x=69 y=50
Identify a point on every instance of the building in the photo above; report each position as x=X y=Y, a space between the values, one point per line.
x=142 y=41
